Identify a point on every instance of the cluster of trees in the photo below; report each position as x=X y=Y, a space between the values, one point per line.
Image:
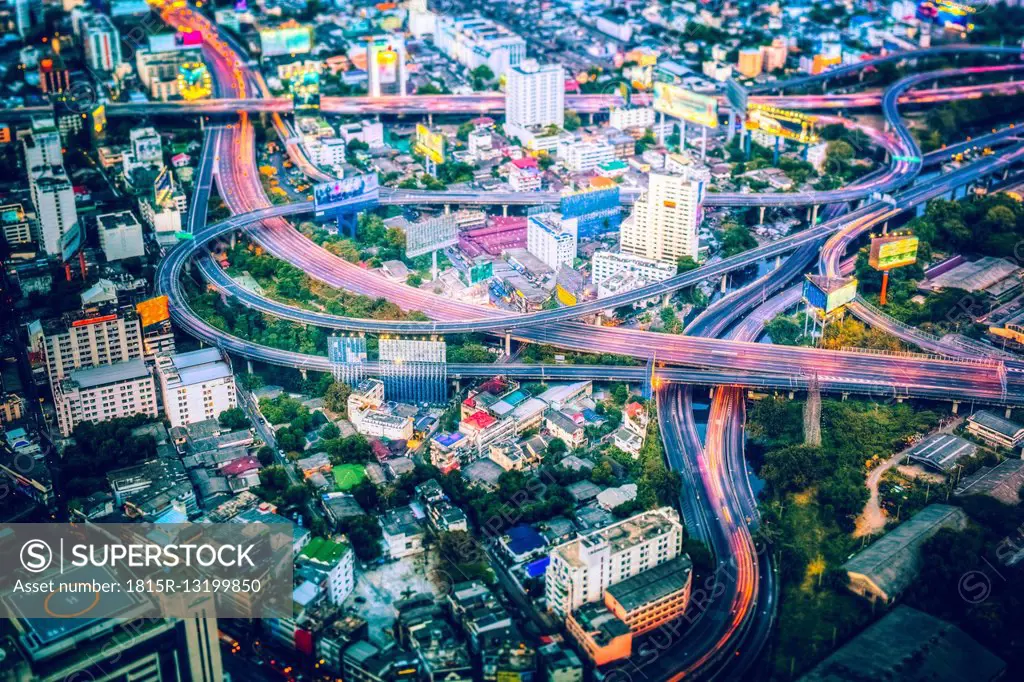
x=234 y=419
x=275 y=487
x=736 y=239
x=788 y=330
x=238 y=320
x=539 y=353
x=102 y=447
x=947 y=123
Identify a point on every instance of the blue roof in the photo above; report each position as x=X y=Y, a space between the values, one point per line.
x=523 y=539
x=536 y=569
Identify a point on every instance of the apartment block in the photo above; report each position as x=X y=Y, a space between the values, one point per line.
x=195 y=386
x=103 y=393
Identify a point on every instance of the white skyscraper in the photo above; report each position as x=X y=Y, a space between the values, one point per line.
x=552 y=239
x=42 y=147
x=57 y=215
x=27 y=14
x=535 y=95
x=102 y=43
x=666 y=219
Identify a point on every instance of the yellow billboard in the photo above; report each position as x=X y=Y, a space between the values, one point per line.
x=99 y=119
x=894 y=251
x=791 y=125
x=429 y=144
x=680 y=103
x=564 y=296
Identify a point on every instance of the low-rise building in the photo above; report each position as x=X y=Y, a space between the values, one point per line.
x=380 y=424
x=886 y=568
x=650 y=599
x=333 y=564
x=120 y=236
x=402 y=532
x=603 y=637
x=995 y=430
x=561 y=426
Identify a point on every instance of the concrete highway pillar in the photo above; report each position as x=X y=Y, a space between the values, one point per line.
x=778 y=261
x=1006 y=174
x=814 y=215
x=304 y=374
x=234 y=239
x=1008 y=412
x=845 y=396
x=703 y=143
x=792 y=395
x=447 y=209
x=711 y=393
x=682 y=134
x=775 y=151
x=661 y=128
x=885 y=227
x=666 y=300
x=956 y=406
x=760 y=217
x=457 y=384
x=599 y=320
x=731 y=132
x=433 y=265
x=430 y=120
x=248 y=366
x=725 y=282
x=504 y=210
x=508 y=344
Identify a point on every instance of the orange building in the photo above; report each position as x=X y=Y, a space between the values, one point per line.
x=750 y=62
x=650 y=599
x=603 y=637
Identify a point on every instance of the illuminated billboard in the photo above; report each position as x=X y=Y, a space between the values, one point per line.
x=950 y=15
x=829 y=293
x=99 y=120
x=431 y=235
x=153 y=311
x=686 y=105
x=893 y=251
x=194 y=81
x=429 y=144
x=790 y=125
x=346 y=194
x=290 y=38
x=162 y=187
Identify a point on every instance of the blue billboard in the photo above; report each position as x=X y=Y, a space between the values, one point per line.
x=597 y=211
x=347 y=195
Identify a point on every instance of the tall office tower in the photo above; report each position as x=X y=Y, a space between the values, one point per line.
x=666 y=218
x=102 y=43
x=91 y=337
x=535 y=95
x=42 y=146
x=57 y=217
x=476 y=41
x=581 y=570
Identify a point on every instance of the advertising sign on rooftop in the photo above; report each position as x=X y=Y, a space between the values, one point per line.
x=431 y=235
x=290 y=38
x=790 y=125
x=348 y=193
x=893 y=251
x=429 y=144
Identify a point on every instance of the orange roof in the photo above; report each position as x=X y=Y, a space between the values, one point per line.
x=601 y=182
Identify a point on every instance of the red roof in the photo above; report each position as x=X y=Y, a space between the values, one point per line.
x=239 y=466
x=525 y=162
x=634 y=408
x=480 y=420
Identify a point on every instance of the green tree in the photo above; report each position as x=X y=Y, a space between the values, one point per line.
x=572 y=120
x=234 y=419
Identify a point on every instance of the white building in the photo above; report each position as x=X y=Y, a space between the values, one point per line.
x=585 y=154
x=144 y=149
x=369 y=131
x=120 y=235
x=164 y=218
x=27 y=15
x=625 y=118
x=56 y=213
x=582 y=569
x=329 y=152
x=99 y=394
x=606 y=264
x=666 y=219
x=42 y=145
x=475 y=41
x=195 y=386
x=334 y=564
x=376 y=423
x=368 y=395
x=535 y=95
x=551 y=239
x=524 y=178
x=102 y=43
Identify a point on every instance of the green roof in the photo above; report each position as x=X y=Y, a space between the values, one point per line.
x=324 y=551
x=617 y=164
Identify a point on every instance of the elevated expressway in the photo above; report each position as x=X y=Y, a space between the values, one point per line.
x=728 y=363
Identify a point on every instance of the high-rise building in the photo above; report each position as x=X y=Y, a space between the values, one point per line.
x=42 y=145
x=56 y=214
x=535 y=95
x=89 y=338
x=120 y=649
x=581 y=570
x=195 y=386
x=666 y=219
x=120 y=235
x=99 y=394
x=552 y=239
x=53 y=75
x=102 y=43
x=17 y=229
x=386 y=63
x=27 y=15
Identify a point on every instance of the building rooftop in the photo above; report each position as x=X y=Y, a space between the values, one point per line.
x=115 y=221
x=600 y=623
x=910 y=646
x=624 y=534
x=195 y=367
x=323 y=551
x=993 y=422
x=891 y=563
x=108 y=374
x=653 y=584
x=1002 y=481
x=942 y=451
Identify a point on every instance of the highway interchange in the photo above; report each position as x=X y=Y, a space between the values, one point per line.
x=718 y=506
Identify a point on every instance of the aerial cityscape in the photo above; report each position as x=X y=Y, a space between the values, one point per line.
x=555 y=341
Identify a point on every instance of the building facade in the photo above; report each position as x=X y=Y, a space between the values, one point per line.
x=195 y=386
x=99 y=394
x=666 y=219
